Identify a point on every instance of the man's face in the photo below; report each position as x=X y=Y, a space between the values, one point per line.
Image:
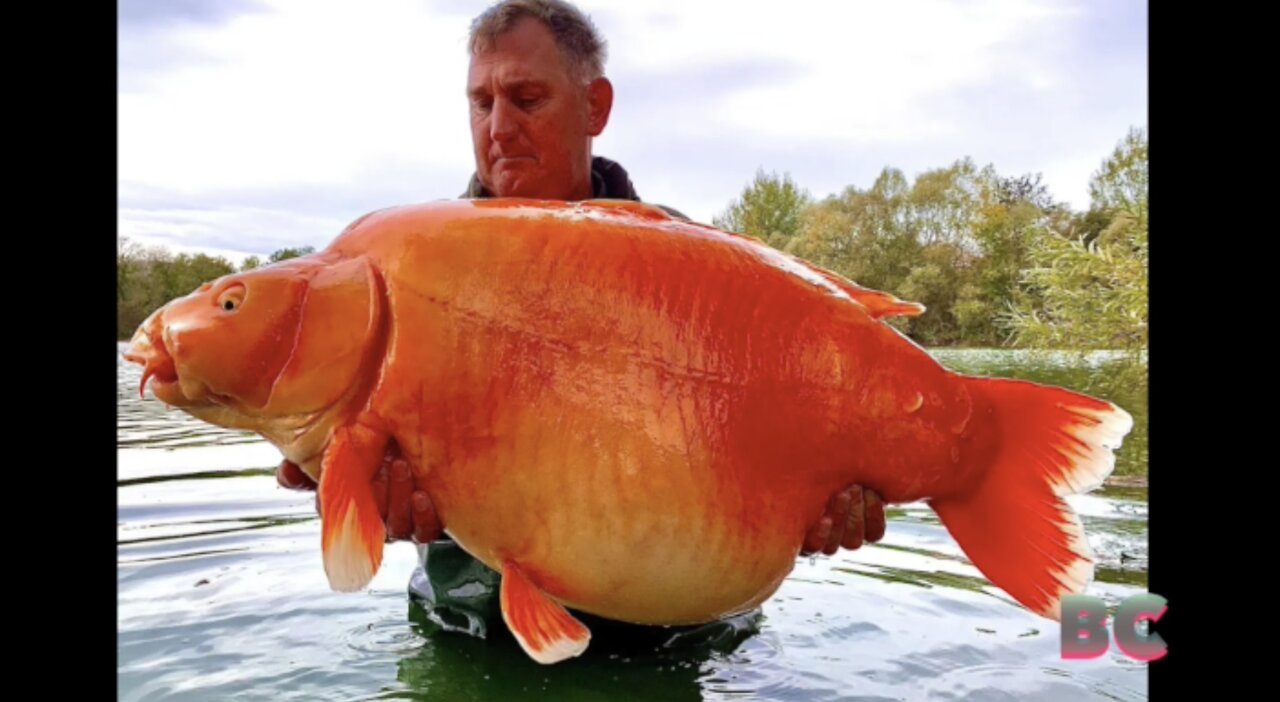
x=531 y=123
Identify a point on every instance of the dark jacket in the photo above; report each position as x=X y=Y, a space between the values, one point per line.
x=609 y=181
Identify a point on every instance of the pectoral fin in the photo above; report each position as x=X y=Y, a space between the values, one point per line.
x=353 y=532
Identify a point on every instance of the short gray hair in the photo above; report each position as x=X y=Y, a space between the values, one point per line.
x=579 y=40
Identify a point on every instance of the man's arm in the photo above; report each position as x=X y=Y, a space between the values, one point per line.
x=854 y=515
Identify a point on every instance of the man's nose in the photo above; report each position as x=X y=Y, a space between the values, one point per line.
x=502 y=121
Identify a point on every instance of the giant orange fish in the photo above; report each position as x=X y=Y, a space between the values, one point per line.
x=626 y=414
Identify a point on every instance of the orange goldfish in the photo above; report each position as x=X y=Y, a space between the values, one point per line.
x=656 y=409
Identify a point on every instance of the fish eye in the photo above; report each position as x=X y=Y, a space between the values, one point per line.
x=231 y=298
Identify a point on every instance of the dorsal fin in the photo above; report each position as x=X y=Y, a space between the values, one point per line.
x=879 y=304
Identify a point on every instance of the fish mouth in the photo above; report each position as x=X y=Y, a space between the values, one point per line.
x=148 y=349
x=162 y=371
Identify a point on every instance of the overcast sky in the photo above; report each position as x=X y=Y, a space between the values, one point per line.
x=246 y=126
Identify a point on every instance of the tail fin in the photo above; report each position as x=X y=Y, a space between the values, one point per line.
x=1014 y=525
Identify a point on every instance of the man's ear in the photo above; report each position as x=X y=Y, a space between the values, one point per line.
x=599 y=105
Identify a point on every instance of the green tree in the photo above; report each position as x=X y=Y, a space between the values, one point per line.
x=147 y=278
x=287 y=253
x=1122 y=182
x=944 y=202
x=768 y=209
x=191 y=271
x=1079 y=293
x=1012 y=212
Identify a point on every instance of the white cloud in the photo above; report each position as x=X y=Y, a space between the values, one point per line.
x=327 y=97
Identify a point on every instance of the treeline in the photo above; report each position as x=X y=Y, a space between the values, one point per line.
x=995 y=259
x=148 y=277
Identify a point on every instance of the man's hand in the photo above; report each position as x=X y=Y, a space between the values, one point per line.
x=407 y=512
x=853 y=516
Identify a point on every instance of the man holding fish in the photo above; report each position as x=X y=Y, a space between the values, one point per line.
x=537 y=97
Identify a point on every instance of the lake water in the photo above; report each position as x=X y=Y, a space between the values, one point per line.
x=222 y=596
